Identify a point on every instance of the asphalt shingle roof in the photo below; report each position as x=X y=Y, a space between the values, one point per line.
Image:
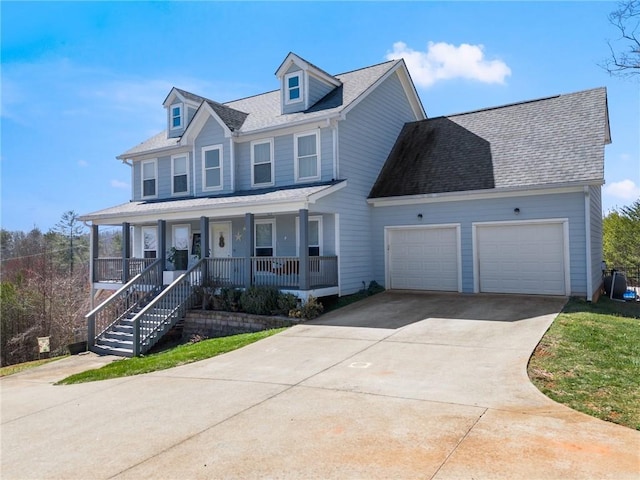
x=555 y=140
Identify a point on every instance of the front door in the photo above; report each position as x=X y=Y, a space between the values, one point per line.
x=221 y=240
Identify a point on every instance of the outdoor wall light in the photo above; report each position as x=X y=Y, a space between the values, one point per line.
x=516 y=211
x=420 y=216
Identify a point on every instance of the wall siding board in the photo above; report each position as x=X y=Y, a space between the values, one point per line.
x=317 y=89
x=595 y=194
x=213 y=134
x=533 y=207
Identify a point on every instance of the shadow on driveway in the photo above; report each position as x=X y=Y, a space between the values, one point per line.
x=400 y=308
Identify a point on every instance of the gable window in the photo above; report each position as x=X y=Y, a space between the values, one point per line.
x=149 y=175
x=212 y=168
x=176 y=116
x=307 y=158
x=149 y=242
x=315 y=236
x=264 y=239
x=293 y=87
x=180 y=174
x=262 y=162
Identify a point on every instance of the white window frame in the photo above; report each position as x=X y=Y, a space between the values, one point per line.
x=155 y=177
x=180 y=108
x=173 y=236
x=296 y=159
x=320 y=235
x=186 y=162
x=300 y=87
x=271 y=221
x=145 y=229
x=204 y=169
x=271 y=161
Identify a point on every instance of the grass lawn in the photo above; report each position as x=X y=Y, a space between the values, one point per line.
x=589 y=360
x=180 y=355
x=11 y=369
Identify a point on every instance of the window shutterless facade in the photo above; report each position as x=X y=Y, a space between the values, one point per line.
x=176 y=116
x=262 y=166
x=307 y=156
x=149 y=242
x=179 y=175
x=149 y=178
x=293 y=88
x=315 y=236
x=264 y=237
x=212 y=168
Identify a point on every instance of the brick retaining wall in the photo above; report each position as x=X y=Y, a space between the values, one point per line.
x=211 y=323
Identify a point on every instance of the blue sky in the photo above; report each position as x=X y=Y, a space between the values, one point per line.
x=84 y=81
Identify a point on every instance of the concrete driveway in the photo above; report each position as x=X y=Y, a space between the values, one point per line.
x=397 y=386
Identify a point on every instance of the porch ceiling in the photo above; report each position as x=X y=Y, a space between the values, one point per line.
x=257 y=202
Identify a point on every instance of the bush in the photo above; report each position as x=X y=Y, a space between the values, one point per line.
x=309 y=309
x=260 y=300
x=229 y=299
x=286 y=303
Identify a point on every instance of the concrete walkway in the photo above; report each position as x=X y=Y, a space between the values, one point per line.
x=400 y=386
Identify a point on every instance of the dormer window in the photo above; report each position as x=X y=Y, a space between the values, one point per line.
x=293 y=87
x=176 y=116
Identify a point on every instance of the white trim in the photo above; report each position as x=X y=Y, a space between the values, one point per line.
x=284 y=130
x=314 y=218
x=293 y=59
x=180 y=107
x=232 y=161
x=198 y=122
x=203 y=151
x=186 y=164
x=587 y=231
x=301 y=87
x=153 y=161
x=271 y=161
x=475 y=195
x=265 y=221
x=334 y=138
x=212 y=239
x=387 y=247
x=566 y=247
x=336 y=227
x=296 y=159
x=173 y=234
x=142 y=233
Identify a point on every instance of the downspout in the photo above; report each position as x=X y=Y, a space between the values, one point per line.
x=193 y=163
x=587 y=231
x=232 y=162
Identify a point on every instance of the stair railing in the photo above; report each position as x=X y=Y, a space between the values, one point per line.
x=164 y=311
x=136 y=291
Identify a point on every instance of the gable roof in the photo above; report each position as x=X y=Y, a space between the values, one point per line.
x=546 y=142
x=292 y=58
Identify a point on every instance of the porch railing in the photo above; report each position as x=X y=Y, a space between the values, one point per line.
x=139 y=289
x=108 y=270
x=284 y=272
x=225 y=272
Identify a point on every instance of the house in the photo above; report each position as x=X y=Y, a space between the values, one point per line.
x=332 y=181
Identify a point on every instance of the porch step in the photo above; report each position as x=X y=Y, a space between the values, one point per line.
x=109 y=350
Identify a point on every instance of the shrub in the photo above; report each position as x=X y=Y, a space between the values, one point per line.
x=260 y=300
x=308 y=310
x=374 y=287
x=229 y=299
x=286 y=303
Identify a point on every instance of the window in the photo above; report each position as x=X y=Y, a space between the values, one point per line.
x=176 y=116
x=149 y=242
x=265 y=233
x=307 y=158
x=180 y=174
x=149 y=179
x=315 y=236
x=293 y=87
x=212 y=168
x=262 y=162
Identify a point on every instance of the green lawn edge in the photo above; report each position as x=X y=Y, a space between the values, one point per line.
x=589 y=360
x=180 y=355
x=20 y=367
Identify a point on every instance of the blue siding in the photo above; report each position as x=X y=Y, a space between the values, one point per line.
x=595 y=196
x=365 y=139
x=213 y=134
x=535 y=207
x=317 y=89
x=298 y=106
x=172 y=133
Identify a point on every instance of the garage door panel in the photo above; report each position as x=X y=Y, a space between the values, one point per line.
x=423 y=259
x=527 y=258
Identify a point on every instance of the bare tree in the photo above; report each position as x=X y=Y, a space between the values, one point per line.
x=625 y=53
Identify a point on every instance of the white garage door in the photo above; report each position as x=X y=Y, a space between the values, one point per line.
x=423 y=258
x=527 y=258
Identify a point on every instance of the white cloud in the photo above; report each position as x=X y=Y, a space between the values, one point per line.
x=443 y=61
x=83 y=163
x=625 y=189
x=119 y=184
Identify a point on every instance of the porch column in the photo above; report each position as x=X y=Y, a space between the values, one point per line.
x=162 y=242
x=204 y=237
x=94 y=239
x=126 y=251
x=303 y=254
x=248 y=225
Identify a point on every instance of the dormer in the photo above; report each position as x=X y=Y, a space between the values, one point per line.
x=302 y=84
x=181 y=106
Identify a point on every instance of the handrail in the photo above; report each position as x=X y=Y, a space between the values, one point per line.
x=153 y=317
x=127 y=297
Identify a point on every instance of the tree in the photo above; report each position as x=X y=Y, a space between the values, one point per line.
x=625 y=55
x=621 y=236
x=71 y=229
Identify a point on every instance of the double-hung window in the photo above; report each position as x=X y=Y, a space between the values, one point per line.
x=265 y=234
x=262 y=163
x=212 y=168
x=314 y=236
x=149 y=242
x=149 y=176
x=176 y=116
x=179 y=174
x=293 y=87
x=307 y=156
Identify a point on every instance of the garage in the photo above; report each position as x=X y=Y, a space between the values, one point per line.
x=526 y=258
x=423 y=258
